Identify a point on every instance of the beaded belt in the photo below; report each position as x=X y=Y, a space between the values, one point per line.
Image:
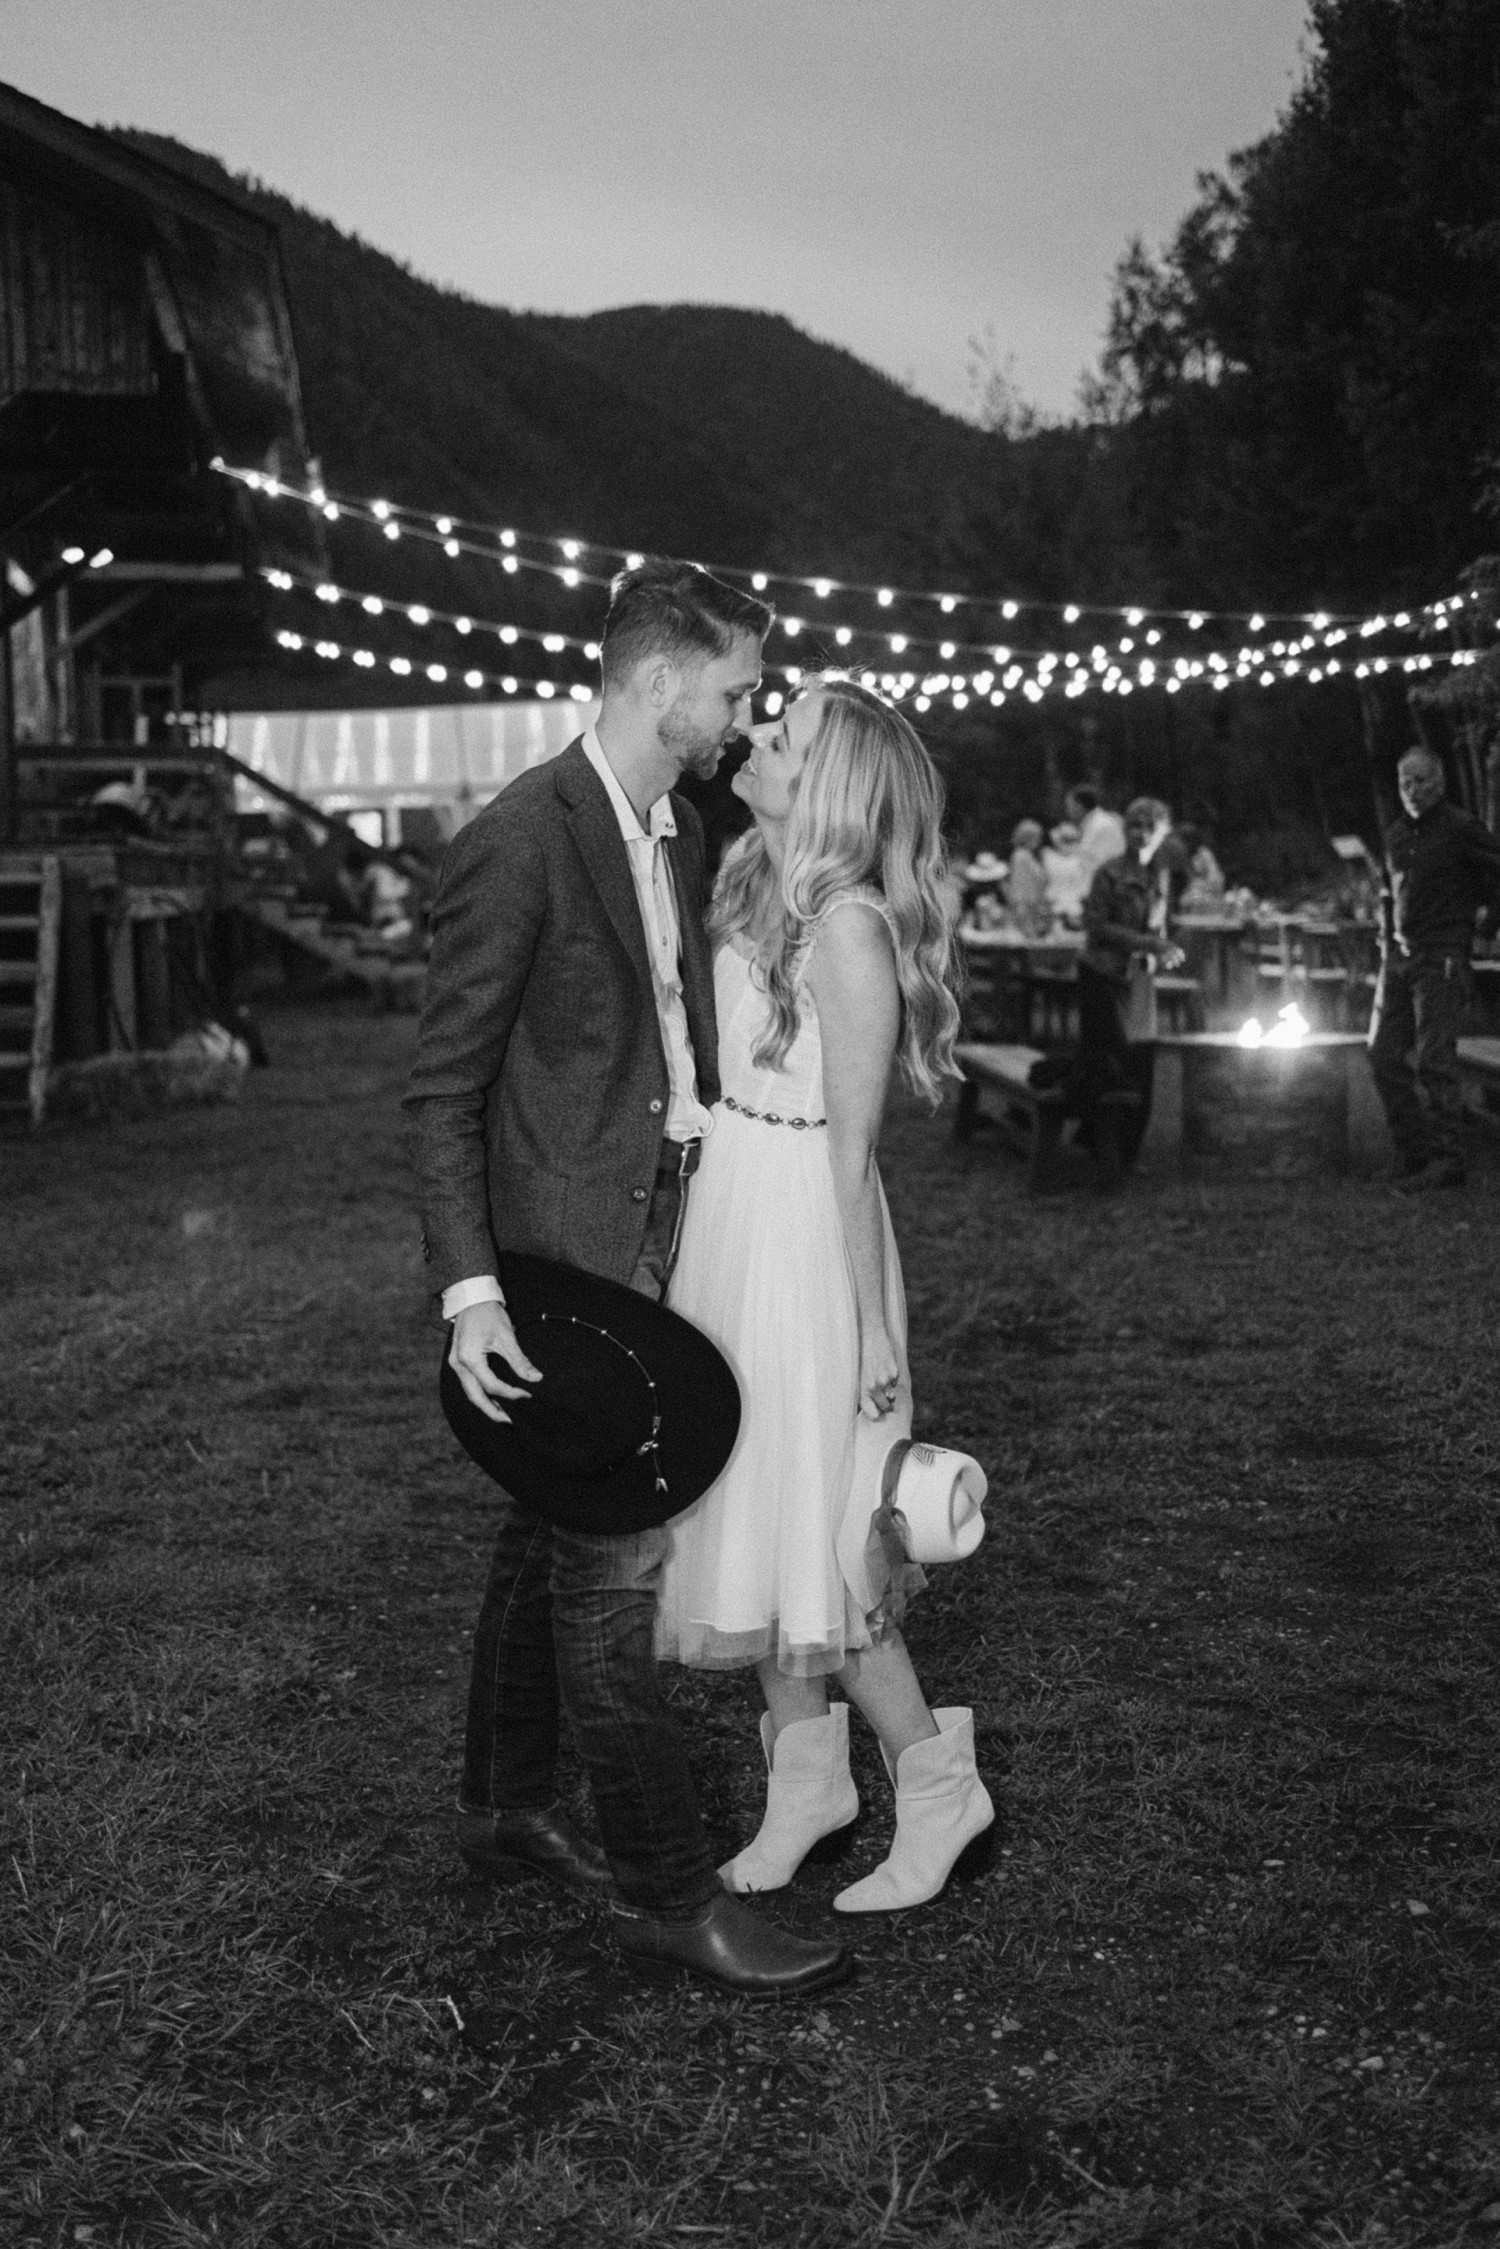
x=769 y=1116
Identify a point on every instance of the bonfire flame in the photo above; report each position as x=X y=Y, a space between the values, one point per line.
x=1290 y=1028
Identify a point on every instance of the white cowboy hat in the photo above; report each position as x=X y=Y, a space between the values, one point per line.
x=985 y=868
x=934 y=1494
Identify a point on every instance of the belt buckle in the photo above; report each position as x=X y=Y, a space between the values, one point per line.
x=686 y=1152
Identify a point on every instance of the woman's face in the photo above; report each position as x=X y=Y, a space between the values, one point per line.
x=767 y=780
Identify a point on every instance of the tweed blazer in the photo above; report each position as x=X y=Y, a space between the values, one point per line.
x=539 y=1091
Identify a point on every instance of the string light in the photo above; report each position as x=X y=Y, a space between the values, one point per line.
x=457 y=539
x=1049 y=674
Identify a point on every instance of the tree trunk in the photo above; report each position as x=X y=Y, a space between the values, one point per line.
x=1387 y=731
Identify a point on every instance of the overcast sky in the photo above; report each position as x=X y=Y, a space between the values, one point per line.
x=895 y=175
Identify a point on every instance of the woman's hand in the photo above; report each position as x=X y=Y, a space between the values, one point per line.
x=879 y=1373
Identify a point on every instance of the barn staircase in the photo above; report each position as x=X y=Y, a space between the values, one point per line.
x=341 y=948
x=30 y=923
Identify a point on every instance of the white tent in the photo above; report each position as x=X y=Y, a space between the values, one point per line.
x=452 y=759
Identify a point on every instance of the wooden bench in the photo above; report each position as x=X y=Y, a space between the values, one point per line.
x=1031 y=1117
x=1479 y=1062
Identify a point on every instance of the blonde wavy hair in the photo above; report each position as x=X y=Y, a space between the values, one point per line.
x=867 y=810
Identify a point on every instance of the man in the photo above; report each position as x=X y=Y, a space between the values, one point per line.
x=565 y=1068
x=1124 y=918
x=1441 y=866
x=1101 y=833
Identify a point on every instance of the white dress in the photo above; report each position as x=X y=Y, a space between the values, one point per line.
x=763 y=1269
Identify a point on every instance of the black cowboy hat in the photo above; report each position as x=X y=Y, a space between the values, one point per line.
x=635 y=1415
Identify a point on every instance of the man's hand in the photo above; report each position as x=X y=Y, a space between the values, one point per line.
x=479 y=1330
x=1172 y=957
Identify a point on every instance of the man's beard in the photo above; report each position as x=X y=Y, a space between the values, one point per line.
x=700 y=753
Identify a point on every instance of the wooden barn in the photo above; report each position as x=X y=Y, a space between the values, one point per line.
x=144 y=330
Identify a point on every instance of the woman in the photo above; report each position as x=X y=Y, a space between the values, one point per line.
x=1026 y=882
x=832 y=952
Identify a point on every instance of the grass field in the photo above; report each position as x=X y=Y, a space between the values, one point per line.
x=1231 y=1644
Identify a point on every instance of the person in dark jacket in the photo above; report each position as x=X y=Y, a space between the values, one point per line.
x=1124 y=919
x=1442 y=866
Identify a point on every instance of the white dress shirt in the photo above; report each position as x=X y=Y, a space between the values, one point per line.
x=656 y=895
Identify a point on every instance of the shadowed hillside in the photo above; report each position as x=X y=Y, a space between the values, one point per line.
x=724 y=434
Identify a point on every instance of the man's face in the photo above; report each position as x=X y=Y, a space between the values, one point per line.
x=1138 y=832
x=1420 y=781
x=711 y=706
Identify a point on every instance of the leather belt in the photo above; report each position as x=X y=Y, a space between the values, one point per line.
x=679 y=1159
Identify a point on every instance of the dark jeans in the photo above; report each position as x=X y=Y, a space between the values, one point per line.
x=567 y=1624
x=1108 y=1060
x=1420 y=1002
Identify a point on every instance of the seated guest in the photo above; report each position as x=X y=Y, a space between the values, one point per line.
x=1116 y=1008
x=984 y=884
x=1204 y=884
x=1101 y=833
x=1026 y=884
x=1066 y=875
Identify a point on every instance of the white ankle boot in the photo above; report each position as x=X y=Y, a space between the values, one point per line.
x=809 y=1794
x=941 y=1805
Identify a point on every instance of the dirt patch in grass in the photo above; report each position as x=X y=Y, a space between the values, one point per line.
x=1228 y=1977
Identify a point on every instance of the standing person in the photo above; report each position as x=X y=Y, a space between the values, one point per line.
x=1441 y=866
x=833 y=953
x=1101 y=833
x=1066 y=876
x=1026 y=882
x=565 y=1071
x=1116 y=1011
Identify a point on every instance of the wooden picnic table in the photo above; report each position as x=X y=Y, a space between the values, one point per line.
x=1020 y=987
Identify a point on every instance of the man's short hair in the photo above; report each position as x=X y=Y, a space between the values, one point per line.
x=1082 y=794
x=1424 y=756
x=674 y=609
